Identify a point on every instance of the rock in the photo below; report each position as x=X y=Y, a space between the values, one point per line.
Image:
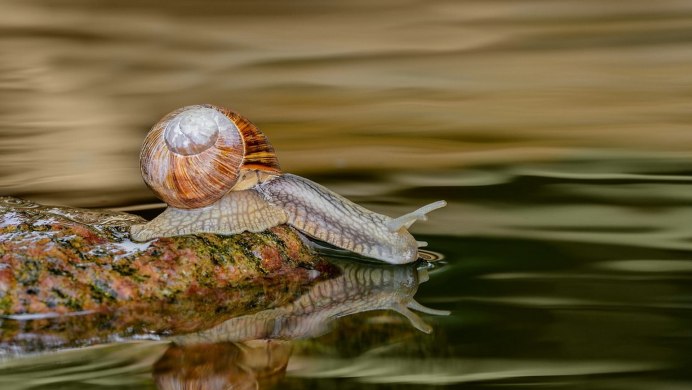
x=58 y=260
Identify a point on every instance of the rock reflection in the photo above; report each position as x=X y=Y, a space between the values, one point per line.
x=222 y=365
x=253 y=350
x=250 y=349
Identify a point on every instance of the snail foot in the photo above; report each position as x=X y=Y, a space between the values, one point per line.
x=236 y=212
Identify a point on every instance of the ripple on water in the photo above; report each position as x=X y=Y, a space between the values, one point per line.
x=648 y=266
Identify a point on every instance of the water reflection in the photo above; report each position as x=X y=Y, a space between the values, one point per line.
x=250 y=349
x=205 y=359
x=360 y=288
x=247 y=365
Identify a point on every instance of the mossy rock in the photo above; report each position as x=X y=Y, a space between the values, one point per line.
x=58 y=261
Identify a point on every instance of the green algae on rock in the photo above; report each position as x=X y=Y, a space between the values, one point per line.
x=58 y=260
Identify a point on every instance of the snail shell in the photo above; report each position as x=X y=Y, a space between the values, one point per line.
x=196 y=154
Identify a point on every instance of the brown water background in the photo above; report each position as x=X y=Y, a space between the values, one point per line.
x=558 y=131
x=432 y=87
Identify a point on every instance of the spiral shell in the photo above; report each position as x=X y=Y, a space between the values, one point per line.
x=194 y=155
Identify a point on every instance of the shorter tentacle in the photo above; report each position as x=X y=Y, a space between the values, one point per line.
x=415 y=320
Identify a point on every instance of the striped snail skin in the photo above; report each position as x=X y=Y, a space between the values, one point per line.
x=327 y=216
x=219 y=174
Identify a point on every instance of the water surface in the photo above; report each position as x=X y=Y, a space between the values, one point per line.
x=557 y=131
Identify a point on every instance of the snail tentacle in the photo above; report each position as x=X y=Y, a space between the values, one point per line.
x=415 y=305
x=409 y=219
x=236 y=212
x=413 y=318
x=327 y=216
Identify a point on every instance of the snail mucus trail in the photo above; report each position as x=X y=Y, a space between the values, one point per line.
x=218 y=173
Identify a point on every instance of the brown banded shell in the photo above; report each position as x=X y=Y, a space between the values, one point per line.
x=193 y=156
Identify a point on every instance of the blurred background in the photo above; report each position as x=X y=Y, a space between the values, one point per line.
x=558 y=131
x=435 y=87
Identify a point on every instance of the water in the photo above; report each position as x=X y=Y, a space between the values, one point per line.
x=557 y=131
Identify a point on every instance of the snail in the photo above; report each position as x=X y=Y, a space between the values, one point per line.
x=218 y=173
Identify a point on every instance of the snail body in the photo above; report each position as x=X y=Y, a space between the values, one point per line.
x=219 y=174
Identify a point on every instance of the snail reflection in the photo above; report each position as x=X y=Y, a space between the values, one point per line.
x=360 y=288
x=251 y=350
